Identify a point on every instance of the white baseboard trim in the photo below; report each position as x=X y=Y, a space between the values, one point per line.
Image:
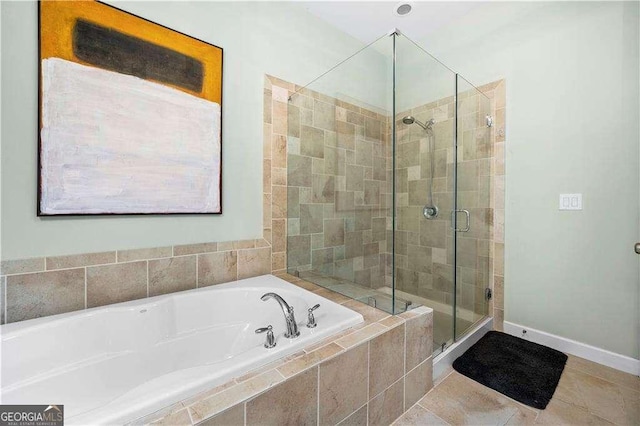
x=582 y=350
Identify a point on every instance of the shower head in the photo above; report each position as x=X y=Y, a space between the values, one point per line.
x=410 y=120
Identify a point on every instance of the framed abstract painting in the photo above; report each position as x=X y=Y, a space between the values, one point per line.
x=130 y=118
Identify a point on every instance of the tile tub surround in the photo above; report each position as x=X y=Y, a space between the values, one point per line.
x=373 y=371
x=54 y=285
x=284 y=213
x=328 y=189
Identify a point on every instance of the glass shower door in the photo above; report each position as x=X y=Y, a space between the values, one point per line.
x=424 y=198
x=473 y=222
x=339 y=187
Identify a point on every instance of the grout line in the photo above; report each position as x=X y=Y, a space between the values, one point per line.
x=189 y=414
x=85 y=288
x=197 y=269
x=318 y=398
x=4 y=296
x=367 y=414
x=368 y=374
x=147 y=278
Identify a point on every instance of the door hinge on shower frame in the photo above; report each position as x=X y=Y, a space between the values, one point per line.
x=488 y=294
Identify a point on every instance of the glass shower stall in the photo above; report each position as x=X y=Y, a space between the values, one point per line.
x=388 y=183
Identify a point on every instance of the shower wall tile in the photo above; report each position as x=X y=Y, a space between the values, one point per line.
x=333 y=189
x=279 y=202
x=299 y=171
x=299 y=250
x=293 y=121
x=333 y=232
x=266 y=107
x=278 y=261
x=279 y=118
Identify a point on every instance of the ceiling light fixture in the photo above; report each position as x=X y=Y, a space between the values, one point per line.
x=403 y=9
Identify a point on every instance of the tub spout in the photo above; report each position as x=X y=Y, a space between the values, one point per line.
x=292 y=326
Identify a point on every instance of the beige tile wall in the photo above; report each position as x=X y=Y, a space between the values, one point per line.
x=329 y=157
x=496 y=91
x=54 y=285
x=424 y=249
x=369 y=373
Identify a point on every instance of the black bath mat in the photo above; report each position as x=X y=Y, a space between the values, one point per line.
x=520 y=369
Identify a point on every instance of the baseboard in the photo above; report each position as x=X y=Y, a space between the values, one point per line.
x=582 y=350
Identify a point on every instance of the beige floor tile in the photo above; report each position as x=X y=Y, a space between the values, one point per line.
x=461 y=401
x=631 y=405
x=561 y=413
x=607 y=373
x=602 y=398
x=523 y=417
x=418 y=416
x=568 y=390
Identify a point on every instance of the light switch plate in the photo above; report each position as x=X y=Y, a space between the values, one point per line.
x=570 y=202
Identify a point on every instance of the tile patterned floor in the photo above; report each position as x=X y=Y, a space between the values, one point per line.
x=588 y=394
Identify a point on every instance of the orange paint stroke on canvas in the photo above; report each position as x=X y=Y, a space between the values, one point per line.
x=58 y=18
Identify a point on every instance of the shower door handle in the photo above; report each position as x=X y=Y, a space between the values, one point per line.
x=453 y=220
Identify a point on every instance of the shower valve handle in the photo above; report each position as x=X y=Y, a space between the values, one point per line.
x=311 y=320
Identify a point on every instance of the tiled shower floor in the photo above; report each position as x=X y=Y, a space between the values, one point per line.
x=588 y=394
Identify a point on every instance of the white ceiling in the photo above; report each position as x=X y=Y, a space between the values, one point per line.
x=369 y=20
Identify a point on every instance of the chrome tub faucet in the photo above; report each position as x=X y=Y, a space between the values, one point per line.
x=289 y=317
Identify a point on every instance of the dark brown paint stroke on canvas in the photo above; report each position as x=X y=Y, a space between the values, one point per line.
x=114 y=51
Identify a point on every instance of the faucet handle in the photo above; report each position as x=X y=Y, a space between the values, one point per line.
x=311 y=320
x=271 y=340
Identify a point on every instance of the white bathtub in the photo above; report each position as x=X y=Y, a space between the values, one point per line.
x=114 y=364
